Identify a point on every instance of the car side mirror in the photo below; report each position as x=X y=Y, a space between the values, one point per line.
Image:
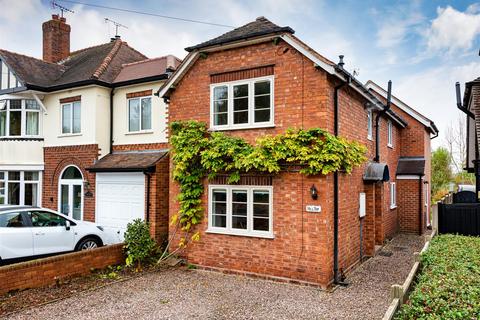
x=67 y=225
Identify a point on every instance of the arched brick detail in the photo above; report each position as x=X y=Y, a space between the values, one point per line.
x=57 y=159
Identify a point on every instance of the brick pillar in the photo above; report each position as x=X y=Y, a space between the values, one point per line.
x=379 y=212
x=369 y=221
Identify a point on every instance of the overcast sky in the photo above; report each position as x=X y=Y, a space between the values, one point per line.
x=422 y=46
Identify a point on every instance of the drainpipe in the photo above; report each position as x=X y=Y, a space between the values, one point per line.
x=377 y=120
x=420 y=204
x=111 y=121
x=147 y=214
x=336 y=279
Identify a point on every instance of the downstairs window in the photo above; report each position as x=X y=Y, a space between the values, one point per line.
x=239 y=210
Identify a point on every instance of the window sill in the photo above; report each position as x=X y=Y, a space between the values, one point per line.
x=393 y=207
x=240 y=233
x=390 y=146
x=139 y=132
x=69 y=135
x=370 y=138
x=242 y=127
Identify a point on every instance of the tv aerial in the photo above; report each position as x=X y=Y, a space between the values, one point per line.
x=62 y=9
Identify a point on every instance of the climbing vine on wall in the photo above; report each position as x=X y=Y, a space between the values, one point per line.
x=198 y=153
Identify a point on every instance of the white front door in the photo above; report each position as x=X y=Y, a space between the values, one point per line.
x=120 y=198
x=71 y=199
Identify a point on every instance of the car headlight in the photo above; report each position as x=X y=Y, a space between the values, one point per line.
x=100 y=227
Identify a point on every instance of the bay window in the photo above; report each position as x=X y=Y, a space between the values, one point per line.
x=241 y=210
x=20 y=188
x=242 y=104
x=19 y=118
x=140 y=114
x=71 y=118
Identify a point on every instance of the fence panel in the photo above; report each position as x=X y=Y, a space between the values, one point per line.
x=461 y=218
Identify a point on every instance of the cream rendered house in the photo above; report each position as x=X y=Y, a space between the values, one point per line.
x=82 y=133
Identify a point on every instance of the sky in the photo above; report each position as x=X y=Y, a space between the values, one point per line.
x=424 y=47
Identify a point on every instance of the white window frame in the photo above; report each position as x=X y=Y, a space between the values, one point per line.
x=23 y=119
x=22 y=182
x=140 y=115
x=71 y=133
x=251 y=104
x=393 y=195
x=369 y=124
x=389 y=134
x=249 y=232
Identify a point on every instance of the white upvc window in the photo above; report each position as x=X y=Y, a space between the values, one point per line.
x=240 y=210
x=390 y=134
x=71 y=118
x=139 y=114
x=20 y=188
x=393 y=195
x=19 y=118
x=425 y=188
x=242 y=104
x=369 y=124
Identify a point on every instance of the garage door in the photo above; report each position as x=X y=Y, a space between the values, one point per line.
x=120 y=199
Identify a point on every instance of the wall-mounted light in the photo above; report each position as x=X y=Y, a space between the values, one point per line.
x=314 y=192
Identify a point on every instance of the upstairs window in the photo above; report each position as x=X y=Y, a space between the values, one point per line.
x=369 y=124
x=71 y=118
x=139 y=114
x=242 y=104
x=390 y=134
x=19 y=118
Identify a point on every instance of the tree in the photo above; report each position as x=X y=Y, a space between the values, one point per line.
x=455 y=137
x=441 y=170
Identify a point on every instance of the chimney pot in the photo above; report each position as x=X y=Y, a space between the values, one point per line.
x=56 y=39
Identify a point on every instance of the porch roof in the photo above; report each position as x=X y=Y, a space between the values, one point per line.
x=129 y=161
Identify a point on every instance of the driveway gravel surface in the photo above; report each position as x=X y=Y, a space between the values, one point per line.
x=195 y=294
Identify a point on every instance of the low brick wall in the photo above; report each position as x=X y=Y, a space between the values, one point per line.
x=41 y=272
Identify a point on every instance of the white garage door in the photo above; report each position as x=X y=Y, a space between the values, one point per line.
x=120 y=199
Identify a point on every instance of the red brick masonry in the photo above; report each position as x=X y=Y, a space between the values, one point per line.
x=41 y=272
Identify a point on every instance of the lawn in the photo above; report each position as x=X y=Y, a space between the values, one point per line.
x=448 y=286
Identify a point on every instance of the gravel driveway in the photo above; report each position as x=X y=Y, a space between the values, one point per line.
x=182 y=294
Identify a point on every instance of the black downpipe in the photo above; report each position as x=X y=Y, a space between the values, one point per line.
x=336 y=279
x=111 y=120
x=377 y=121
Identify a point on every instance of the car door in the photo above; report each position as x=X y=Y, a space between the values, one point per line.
x=16 y=239
x=50 y=234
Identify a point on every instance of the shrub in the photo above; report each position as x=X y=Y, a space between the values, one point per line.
x=139 y=246
x=448 y=286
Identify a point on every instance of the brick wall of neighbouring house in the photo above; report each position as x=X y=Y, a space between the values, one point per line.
x=46 y=271
x=409 y=204
x=303 y=97
x=56 y=160
x=159 y=184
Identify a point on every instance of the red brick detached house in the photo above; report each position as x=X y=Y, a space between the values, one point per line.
x=260 y=79
x=82 y=132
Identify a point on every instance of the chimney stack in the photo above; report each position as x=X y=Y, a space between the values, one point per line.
x=56 y=39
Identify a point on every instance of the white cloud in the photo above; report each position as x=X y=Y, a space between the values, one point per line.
x=432 y=92
x=453 y=30
x=394 y=31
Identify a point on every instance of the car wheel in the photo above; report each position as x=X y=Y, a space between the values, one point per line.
x=87 y=244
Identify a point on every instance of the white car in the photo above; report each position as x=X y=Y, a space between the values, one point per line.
x=32 y=231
